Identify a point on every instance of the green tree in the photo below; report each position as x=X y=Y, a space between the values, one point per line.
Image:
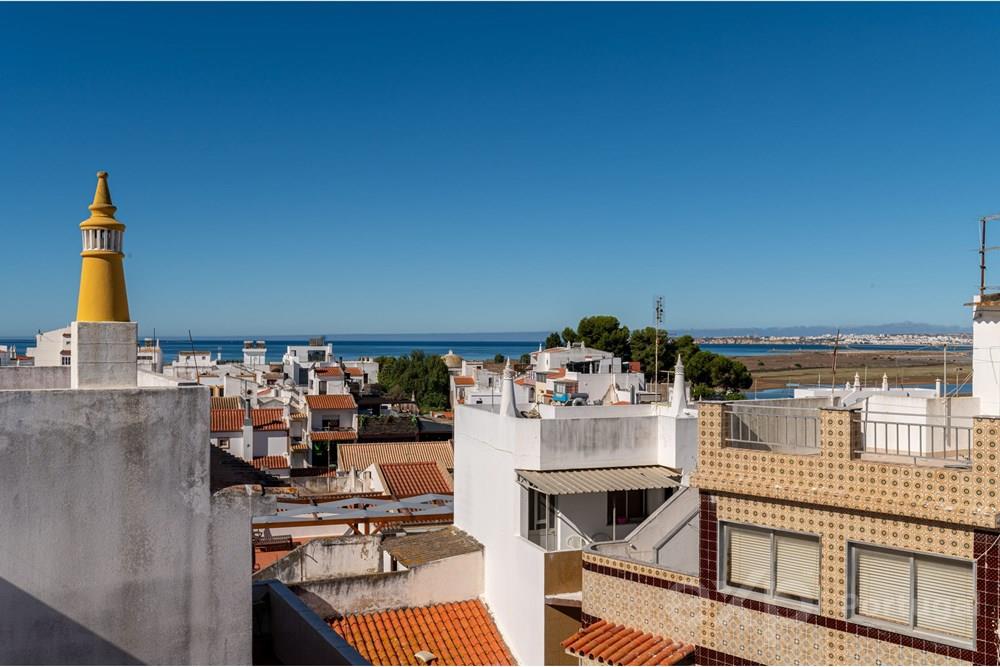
x=525 y=358
x=642 y=348
x=416 y=374
x=605 y=332
x=569 y=336
x=553 y=340
x=499 y=358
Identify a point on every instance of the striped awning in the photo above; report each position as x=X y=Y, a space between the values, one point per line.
x=597 y=480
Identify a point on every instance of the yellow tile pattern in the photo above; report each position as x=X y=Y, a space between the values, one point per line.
x=748 y=634
x=639 y=568
x=965 y=497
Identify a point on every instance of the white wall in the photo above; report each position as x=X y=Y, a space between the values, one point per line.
x=487 y=506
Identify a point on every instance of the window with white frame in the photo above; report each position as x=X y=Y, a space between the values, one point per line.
x=926 y=594
x=773 y=563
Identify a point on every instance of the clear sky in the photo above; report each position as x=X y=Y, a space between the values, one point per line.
x=389 y=168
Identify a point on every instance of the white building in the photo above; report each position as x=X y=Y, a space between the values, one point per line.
x=298 y=359
x=52 y=348
x=149 y=356
x=533 y=491
x=255 y=354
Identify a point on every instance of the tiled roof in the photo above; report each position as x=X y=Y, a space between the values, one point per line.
x=354 y=371
x=269 y=462
x=524 y=381
x=556 y=374
x=334 y=436
x=264 y=419
x=635 y=367
x=332 y=371
x=299 y=447
x=430 y=545
x=457 y=633
x=332 y=402
x=405 y=480
x=619 y=645
x=464 y=381
x=361 y=455
x=298 y=416
x=227 y=403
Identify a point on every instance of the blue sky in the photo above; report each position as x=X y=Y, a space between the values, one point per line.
x=390 y=168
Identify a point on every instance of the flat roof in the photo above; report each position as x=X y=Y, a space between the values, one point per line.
x=598 y=480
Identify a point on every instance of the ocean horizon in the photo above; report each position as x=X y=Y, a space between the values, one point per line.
x=468 y=346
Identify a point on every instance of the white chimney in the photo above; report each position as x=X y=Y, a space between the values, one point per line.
x=678 y=401
x=508 y=406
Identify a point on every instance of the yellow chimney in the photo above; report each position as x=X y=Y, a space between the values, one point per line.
x=102 y=277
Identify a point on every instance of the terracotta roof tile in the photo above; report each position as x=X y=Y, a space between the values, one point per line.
x=620 y=645
x=334 y=436
x=331 y=371
x=429 y=546
x=354 y=371
x=331 y=402
x=361 y=455
x=634 y=367
x=458 y=633
x=227 y=402
x=264 y=419
x=269 y=462
x=405 y=480
x=556 y=374
x=464 y=381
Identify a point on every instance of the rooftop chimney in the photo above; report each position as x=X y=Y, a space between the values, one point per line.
x=508 y=406
x=678 y=402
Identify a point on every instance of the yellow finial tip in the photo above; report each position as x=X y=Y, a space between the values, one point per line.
x=102 y=174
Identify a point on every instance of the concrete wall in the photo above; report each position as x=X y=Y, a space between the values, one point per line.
x=325 y=558
x=448 y=580
x=34 y=377
x=114 y=551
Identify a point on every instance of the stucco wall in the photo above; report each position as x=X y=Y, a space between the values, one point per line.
x=325 y=558
x=113 y=549
x=34 y=377
x=448 y=580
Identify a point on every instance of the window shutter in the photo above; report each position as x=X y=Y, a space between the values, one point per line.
x=797 y=566
x=946 y=597
x=750 y=559
x=883 y=585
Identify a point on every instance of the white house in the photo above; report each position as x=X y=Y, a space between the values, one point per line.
x=535 y=490
x=298 y=359
x=255 y=354
x=252 y=434
x=52 y=348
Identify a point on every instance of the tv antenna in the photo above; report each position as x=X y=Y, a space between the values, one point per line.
x=656 y=346
x=983 y=250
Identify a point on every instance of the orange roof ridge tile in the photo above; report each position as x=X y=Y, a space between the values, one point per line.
x=613 y=644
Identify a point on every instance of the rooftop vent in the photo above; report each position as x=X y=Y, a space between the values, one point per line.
x=425 y=657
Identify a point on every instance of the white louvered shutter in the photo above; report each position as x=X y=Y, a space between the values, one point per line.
x=797 y=572
x=946 y=597
x=750 y=559
x=883 y=585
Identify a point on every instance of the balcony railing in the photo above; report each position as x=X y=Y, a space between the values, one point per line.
x=933 y=437
x=772 y=428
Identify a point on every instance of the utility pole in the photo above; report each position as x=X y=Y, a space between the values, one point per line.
x=656 y=347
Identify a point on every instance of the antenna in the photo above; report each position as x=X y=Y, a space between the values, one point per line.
x=656 y=347
x=194 y=356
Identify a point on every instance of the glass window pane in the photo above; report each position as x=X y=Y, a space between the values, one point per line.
x=798 y=567
x=883 y=585
x=946 y=597
x=749 y=559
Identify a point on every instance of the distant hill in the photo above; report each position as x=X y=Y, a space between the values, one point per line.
x=818 y=330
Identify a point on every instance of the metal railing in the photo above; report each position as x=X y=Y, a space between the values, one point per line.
x=772 y=428
x=936 y=437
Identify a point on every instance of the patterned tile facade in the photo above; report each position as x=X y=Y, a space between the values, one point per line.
x=965 y=497
x=841 y=499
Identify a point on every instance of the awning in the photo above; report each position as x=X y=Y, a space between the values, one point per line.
x=597 y=480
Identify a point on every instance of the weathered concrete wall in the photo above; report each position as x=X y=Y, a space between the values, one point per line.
x=324 y=558
x=113 y=549
x=449 y=580
x=34 y=377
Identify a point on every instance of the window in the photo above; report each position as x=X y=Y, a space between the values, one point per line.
x=626 y=507
x=541 y=511
x=773 y=563
x=66 y=361
x=224 y=443
x=927 y=594
x=330 y=423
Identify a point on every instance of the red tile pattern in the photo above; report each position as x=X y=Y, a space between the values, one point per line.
x=355 y=372
x=405 y=480
x=634 y=367
x=619 y=645
x=334 y=436
x=331 y=402
x=361 y=455
x=269 y=462
x=332 y=371
x=464 y=381
x=458 y=633
x=227 y=420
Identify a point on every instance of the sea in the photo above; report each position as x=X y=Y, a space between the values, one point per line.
x=468 y=346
